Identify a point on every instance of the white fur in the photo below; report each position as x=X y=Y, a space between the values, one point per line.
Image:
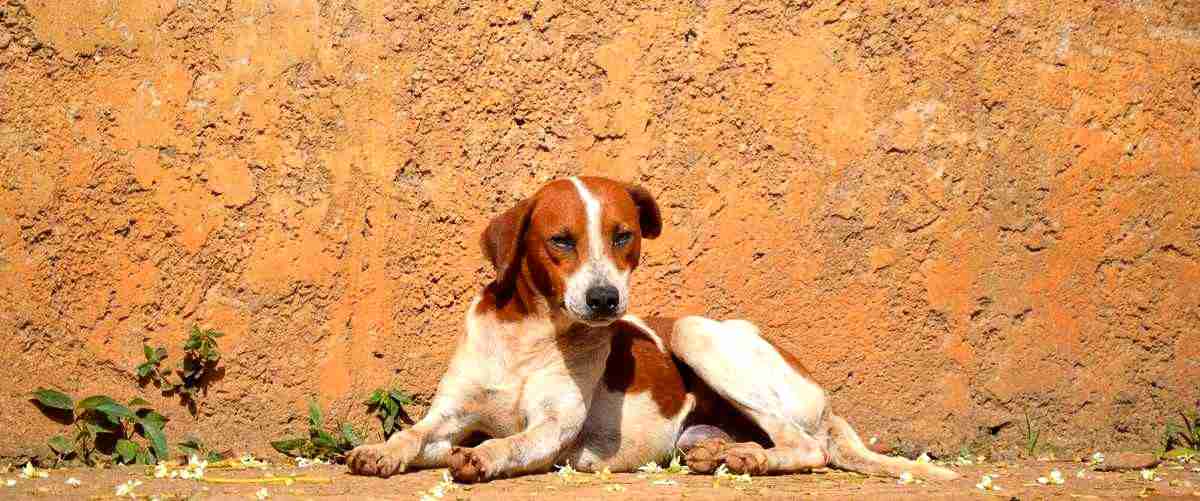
x=637 y=322
x=749 y=372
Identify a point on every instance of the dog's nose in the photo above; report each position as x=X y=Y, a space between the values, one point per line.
x=603 y=300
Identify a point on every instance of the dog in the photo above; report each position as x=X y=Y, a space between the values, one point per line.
x=550 y=370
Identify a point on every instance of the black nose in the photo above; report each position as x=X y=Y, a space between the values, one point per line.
x=602 y=300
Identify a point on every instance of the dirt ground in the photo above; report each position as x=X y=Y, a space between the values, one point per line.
x=1016 y=481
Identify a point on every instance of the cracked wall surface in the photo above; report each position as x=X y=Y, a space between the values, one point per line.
x=955 y=214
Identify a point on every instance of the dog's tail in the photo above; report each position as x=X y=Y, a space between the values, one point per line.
x=847 y=451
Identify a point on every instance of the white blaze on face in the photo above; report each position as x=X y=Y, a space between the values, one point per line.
x=598 y=269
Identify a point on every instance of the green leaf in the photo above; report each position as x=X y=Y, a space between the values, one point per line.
x=154 y=418
x=349 y=437
x=323 y=440
x=191 y=367
x=145 y=456
x=99 y=425
x=289 y=446
x=158 y=440
x=315 y=421
x=148 y=352
x=93 y=401
x=53 y=398
x=372 y=400
x=389 y=425
x=193 y=340
x=127 y=450
x=401 y=397
x=1180 y=452
x=113 y=409
x=139 y=402
x=61 y=445
x=216 y=334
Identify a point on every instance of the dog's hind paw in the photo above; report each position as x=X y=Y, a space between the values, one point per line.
x=378 y=460
x=746 y=457
x=707 y=455
x=468 y=465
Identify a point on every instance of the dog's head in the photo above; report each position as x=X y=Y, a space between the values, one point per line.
x=577 y=240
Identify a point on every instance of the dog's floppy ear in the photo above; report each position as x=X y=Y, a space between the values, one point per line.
x=501 y=241
x=649 y=217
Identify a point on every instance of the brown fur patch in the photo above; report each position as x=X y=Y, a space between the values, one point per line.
x=636 y=365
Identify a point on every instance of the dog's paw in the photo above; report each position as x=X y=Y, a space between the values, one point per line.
x=469 y=465
x=379 y=460
x=707 y=455
x=746 y=457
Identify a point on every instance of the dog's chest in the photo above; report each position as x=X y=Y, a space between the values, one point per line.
x=511 y=372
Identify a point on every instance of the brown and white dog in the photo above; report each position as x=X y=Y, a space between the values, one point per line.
x=550 y=369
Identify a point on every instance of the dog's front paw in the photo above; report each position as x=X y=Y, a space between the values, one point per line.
x=469 y=465
x=707 y=455
x=379 y=460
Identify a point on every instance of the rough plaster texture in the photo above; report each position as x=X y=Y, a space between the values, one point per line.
x=955 y=213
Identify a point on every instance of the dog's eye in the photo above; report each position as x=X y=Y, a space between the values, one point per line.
x=621 y=238
x=562 y=242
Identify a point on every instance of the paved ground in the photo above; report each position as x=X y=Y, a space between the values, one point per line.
x=1015 y=480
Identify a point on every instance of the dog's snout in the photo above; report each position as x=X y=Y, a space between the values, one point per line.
x=603 y=300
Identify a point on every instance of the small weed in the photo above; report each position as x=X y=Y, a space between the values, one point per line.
x=388 y=406
x=194 y=447
x=100 y=419
x=1181 y=441
x=200 y=357
x=320 y=443
x=1032 y=436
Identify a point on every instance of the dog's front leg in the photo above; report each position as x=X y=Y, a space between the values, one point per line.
x=427 y=444
x=532 y=450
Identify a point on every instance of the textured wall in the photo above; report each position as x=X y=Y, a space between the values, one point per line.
x=954 y=213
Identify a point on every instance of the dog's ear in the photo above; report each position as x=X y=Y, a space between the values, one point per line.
x=649 y=217
x=501 y=241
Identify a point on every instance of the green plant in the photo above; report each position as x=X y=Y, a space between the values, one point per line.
x=194 y=447
x=388 y=406
x=200 y=357
x=1182 y=441
x=101 y=419
x=1032 y=436
x=320 y=443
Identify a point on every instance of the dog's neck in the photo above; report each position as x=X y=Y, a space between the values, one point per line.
x=523 y=302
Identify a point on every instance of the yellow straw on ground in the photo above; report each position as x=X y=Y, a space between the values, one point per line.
x=268 y=480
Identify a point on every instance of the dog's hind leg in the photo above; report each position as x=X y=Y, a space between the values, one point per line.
x=749 y=373
x=770 y=387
